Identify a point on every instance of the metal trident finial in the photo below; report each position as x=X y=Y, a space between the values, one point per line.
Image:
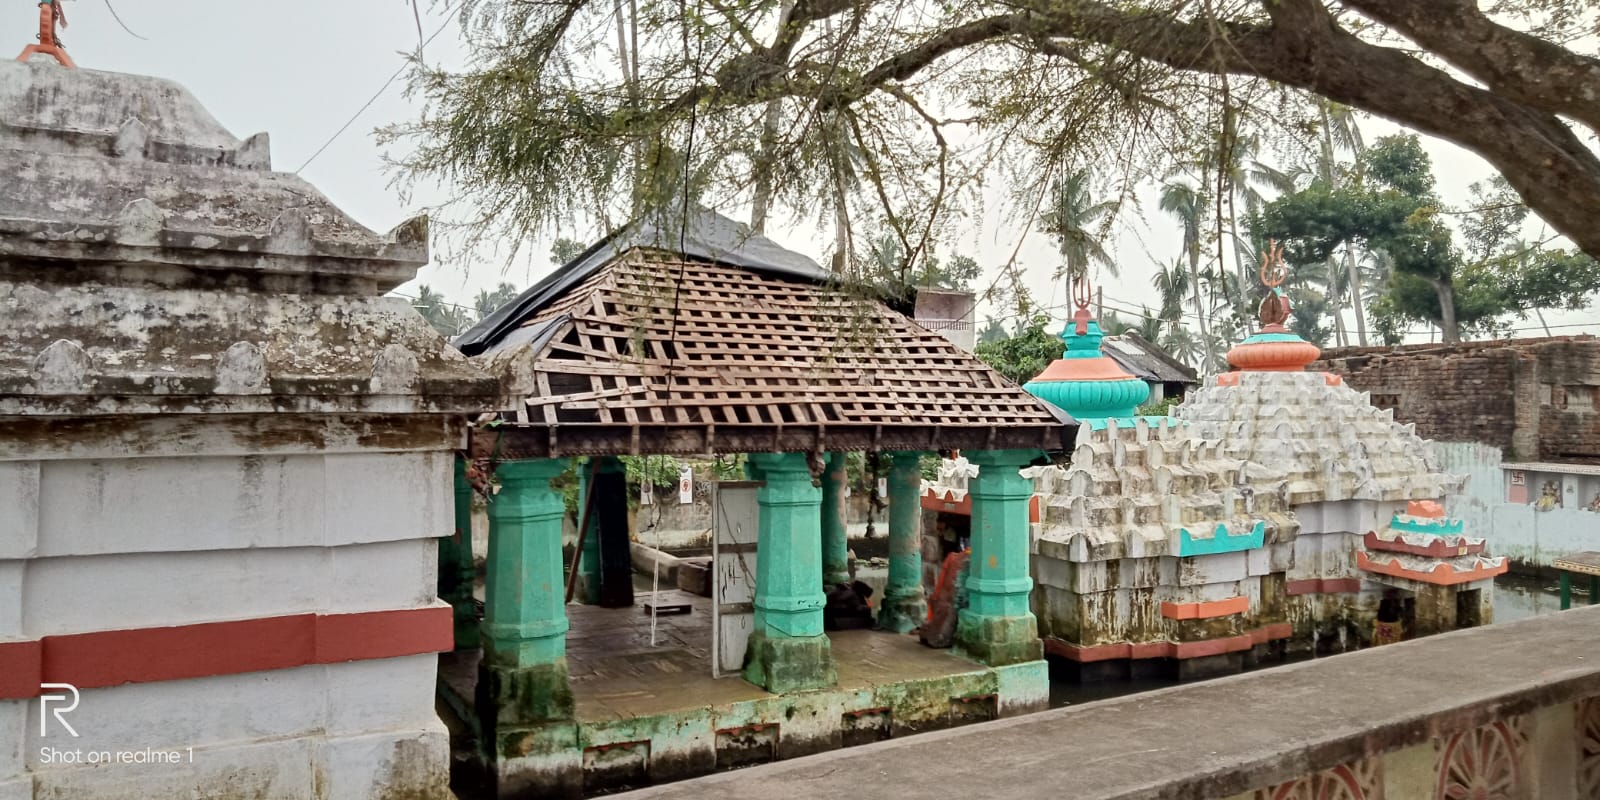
x=1273 y=272
x=50 y=16
x=1081 y=296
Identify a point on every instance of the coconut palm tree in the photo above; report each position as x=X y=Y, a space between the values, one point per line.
x=1244 y=175
x=488 y=302
x=1186 y=204
x=446 y=318
x=1075 y=221
x=1339 y=132
x=1171 y=283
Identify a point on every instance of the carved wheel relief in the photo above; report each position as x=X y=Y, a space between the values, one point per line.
x=1483 y=763
x=1357 y=781
x=1589 y=747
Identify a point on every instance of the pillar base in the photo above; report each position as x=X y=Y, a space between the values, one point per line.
x=790 y=664
x=998 y=641
x=902 y=614
x=522 y=695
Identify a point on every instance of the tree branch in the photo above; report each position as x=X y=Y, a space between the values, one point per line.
x=1511 y=63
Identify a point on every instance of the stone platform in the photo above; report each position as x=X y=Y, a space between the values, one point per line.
x=1399 y=721
x=648 y=714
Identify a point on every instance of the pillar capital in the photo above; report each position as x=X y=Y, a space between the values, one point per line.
x=531 y=470
x=780 y=463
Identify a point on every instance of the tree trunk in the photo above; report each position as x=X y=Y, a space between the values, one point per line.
x=841 y=220
x=761 y=200
x=1449 y=328
x=1194 y=278
x=1357 y=302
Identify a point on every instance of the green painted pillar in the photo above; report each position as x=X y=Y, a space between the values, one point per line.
x=456 y=571
x=588 y=590
x=903 y=605
x=835 y=536
x=997 y=628
x=788 y=650
x=523 y=676
x=1566 y=590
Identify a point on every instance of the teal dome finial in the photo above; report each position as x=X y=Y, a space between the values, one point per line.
x=1082 y=345
x=1084 y=382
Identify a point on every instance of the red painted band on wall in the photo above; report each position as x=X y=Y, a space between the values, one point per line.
x=1178 y=650
x=1323 y=586
x=143 y=655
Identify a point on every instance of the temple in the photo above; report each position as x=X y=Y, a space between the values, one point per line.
x=1276 y=511
x=224 y=461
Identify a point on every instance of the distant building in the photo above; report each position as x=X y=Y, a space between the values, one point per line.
x=949 y=313
x=1145 y=360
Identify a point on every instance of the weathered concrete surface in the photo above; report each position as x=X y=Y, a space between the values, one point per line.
x=1219 y=738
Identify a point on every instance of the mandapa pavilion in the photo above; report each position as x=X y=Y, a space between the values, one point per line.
x=696 y=340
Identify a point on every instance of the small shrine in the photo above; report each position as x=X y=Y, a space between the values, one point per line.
x=225 y=456
x=1444 y=578
x=1237 y=530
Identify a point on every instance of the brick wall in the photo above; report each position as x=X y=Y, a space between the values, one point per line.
x=1537 y=399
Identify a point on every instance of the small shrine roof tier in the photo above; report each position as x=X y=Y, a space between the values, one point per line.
x=151 y=263
x=1422 y=545
x=105 y=167
x=703 y=338
x=1084 y=382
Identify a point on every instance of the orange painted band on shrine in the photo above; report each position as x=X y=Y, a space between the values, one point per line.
x=1207 y=610
x=143 y=655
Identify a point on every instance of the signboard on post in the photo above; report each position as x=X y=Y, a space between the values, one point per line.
x=735 y=522
x=686 y=485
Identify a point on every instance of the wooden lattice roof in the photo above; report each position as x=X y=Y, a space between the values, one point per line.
x=654 y=353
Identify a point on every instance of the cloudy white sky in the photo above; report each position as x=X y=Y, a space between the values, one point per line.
x=300 y=69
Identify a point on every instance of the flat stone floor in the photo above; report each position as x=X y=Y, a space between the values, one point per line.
x=1213 y=738
x=616 y=673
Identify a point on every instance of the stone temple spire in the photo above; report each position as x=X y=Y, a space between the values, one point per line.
x=1084 y=382
x=1273 y=348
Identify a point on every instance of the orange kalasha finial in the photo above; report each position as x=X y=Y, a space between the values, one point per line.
x=50 y=15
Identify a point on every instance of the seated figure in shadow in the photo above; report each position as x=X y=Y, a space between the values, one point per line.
x=847 y=608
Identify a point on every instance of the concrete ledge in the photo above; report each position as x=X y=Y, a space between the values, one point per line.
x=646 y=558
x=1218 y=738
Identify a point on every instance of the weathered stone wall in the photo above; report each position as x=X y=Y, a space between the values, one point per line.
x=1507 y=711
x=1535 y=398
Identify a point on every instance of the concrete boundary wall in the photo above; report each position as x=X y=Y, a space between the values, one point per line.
x=1529 y=537
x=1390 y=722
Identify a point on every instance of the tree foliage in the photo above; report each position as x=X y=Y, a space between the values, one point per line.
x=1026 y=354
x=901 y=112
x=1393 y=210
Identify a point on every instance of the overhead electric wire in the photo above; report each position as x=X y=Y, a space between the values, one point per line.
x=379 y=93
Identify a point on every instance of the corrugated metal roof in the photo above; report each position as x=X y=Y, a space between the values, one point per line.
x=1145 y=360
